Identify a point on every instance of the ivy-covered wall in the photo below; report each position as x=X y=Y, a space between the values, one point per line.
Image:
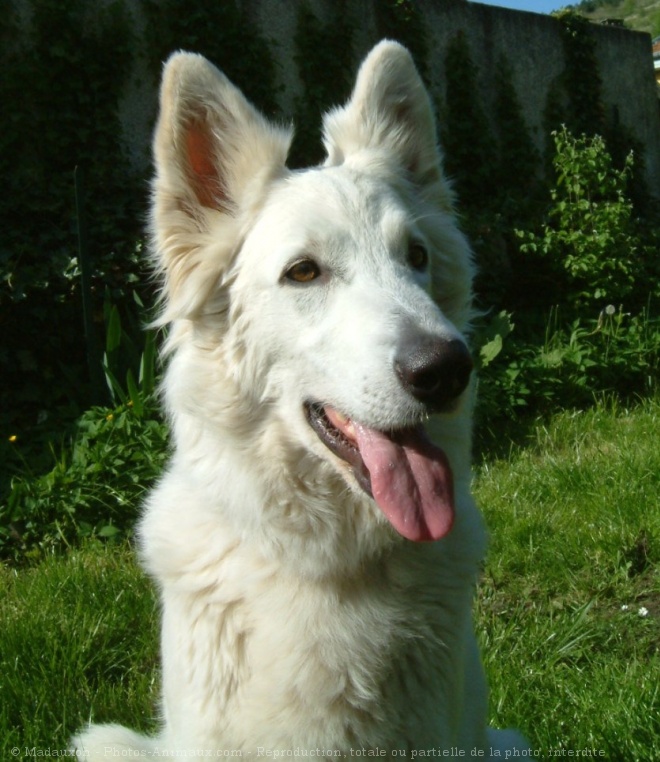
x=308 y=39
x=565 y=61
x=79 y=88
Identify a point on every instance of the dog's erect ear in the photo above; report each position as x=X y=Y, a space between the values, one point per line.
x=389 y=118
x=215 y=154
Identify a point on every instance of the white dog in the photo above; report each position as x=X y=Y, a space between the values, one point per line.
x=316 y=554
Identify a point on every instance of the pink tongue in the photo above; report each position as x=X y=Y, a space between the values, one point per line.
x=411 y=481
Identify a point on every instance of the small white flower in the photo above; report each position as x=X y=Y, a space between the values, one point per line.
x=643 y=611
x=625 y=607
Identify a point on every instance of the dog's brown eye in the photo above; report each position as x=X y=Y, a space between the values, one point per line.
x=304 y=271
x=418 y=257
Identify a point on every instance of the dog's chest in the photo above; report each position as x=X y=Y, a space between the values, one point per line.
x=299 y=665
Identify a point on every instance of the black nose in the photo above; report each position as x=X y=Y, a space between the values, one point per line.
x=434 y=370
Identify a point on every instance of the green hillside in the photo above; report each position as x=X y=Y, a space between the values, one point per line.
x=643 y=15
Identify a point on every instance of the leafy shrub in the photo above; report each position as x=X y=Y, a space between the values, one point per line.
x=591 y=241
x=614 y=354
x=129 y=355
x=95 y=486
x=115 y=453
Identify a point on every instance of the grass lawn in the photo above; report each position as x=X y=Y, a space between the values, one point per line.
x=569 y=608
x=570 y=601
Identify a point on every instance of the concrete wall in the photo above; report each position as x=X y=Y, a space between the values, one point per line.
x=533 y=46
x=532 y=43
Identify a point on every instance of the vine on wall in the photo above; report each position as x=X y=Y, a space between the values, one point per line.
x=402 y=21
x=576 y=101
x=470 y=147
x=63 y=70
x=223 y=32
x=517 y=159
x=323 y=52
x=581 y=80
x=466 y=130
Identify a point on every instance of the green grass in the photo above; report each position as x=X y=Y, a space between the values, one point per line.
x=78 y=640
x=575 y=536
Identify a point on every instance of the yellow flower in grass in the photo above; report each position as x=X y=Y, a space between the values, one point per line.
x=13 y=438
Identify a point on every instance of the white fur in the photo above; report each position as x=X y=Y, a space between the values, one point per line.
x=294 y=617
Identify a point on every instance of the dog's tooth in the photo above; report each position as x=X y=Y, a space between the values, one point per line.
x=340 y=416
x=341 y=422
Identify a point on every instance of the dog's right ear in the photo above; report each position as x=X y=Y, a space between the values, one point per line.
x=215 y=154
x=389 y=118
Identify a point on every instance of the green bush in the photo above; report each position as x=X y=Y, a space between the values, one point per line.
x=95 y=486
x=614 y=354
x=600 y=266
x=590 y=238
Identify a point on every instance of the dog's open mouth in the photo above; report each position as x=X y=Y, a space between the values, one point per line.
x=409 y=478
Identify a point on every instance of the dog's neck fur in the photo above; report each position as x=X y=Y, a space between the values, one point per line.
x=298 y=555
x=323 y=659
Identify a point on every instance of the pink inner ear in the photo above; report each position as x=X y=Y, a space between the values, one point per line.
x=205 y=176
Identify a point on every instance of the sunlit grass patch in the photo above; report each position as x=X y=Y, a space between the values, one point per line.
x=78 y=641
x=569 y=606
x=568 y=611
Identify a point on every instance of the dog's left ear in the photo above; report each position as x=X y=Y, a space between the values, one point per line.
x=389 y=118
x=215 y=156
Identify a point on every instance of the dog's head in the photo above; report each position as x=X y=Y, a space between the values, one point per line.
x=327 y=304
